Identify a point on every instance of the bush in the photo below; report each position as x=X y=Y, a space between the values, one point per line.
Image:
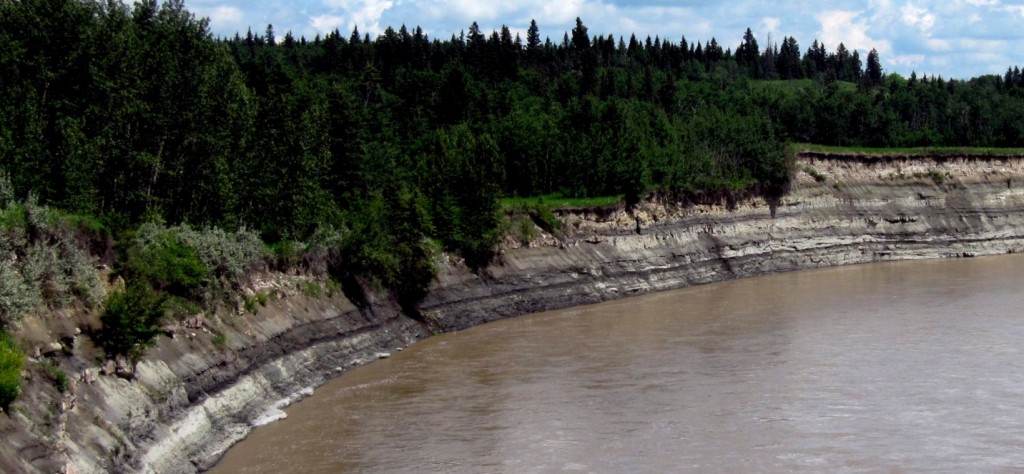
x=16 y=296
x=182 y=258
x=522 y=228
x=131 y=321
x=815 y=174
x=163 y=262
x=547 y=220
x=45 y=263
x=287 y=254
x=226 y=254
x=58 y=377
x=11 y=362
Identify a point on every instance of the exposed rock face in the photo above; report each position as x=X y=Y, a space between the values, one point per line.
x=865 y=209
x=192 y=398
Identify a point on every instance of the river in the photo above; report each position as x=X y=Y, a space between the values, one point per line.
x=905 y=366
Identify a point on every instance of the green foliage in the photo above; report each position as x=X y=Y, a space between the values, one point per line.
x=937 y=177
x=815 y=174
x=555 y=201
x=186 y=256
x=382 y=153
x=220 y=341
x=11 y=362
x=912 y=151
x=527 y=213
x=521 y=227
x=547 y=220
x=253 y=304
x=250 y=305
x=287 y=254
x=46 y=261
x=17 y=297
x=163 y=262
x=131 y=321
x=311 y=289
x=58 y=377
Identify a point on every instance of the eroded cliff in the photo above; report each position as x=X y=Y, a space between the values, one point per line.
x=195 y=394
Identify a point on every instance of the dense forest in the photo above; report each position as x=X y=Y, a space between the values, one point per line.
x=381 y=151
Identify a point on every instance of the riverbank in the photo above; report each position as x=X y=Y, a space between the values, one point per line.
x=199 y=392
x=842 y=209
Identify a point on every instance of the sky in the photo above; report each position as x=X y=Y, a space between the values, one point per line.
x=952 y=38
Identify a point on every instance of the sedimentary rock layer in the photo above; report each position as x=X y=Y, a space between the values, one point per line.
x=190 y=401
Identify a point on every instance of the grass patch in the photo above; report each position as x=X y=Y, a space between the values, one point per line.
x=922 y=151
x=253 y=304
x=11 y=362
x=524 y=213
x=814 y=174
x=311 y=289
x=220 y=341
x=58 y=377
x=521 y=227
x=557 y=201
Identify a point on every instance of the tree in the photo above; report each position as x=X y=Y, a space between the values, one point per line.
x=874 y=69
x=747 y=55
x=580 y=38
x=532 y=37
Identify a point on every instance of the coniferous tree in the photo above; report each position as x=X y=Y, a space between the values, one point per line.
x=873 y=71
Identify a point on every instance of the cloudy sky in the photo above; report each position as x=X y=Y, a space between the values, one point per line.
x=953 y=38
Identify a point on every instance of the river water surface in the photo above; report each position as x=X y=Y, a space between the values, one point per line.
x=905 y=366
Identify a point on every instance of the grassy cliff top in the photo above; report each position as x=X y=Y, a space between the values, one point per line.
x=922 y=151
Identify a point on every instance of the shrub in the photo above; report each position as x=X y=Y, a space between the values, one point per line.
x=58 y=377
x=311 y=289
x=220 y=341
x=225 y=254
x=182 y=261
x=11 y=362
x=815 y=174
x=16 y=296
x=937 y=177
x=165 y=263
x=547 y=220
x=522 y=228
x=6 y=189
x=287 y=254
x=45 y=262
x=131 y=321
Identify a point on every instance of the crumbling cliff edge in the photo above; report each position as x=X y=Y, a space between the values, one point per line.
x=191 y=398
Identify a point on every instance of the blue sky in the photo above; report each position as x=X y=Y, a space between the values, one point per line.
x=954 y=38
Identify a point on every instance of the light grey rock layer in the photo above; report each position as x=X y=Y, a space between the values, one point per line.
x=190 y=402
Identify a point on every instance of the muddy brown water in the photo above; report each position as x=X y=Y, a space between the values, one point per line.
x=906 y=366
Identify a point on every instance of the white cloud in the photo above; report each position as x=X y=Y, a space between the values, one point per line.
x=908 y=60
x=917 y=17
x=366 y=14
x=938 y=45
x=771 y=24
x=222 y=16
x=838 y=26
x=326 y=23
x=560 y=11
x=1018 y=9
x=954 y=38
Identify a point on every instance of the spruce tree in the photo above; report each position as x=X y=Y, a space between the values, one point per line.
x=874 y=68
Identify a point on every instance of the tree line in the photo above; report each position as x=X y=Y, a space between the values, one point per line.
x=405 y=143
